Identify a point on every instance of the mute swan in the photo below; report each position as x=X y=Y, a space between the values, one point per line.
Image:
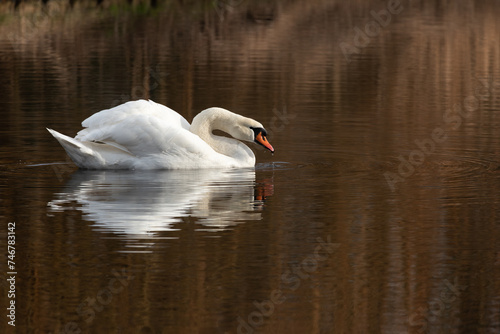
x=147 y=135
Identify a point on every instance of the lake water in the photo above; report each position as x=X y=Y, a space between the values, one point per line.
x=378 y=213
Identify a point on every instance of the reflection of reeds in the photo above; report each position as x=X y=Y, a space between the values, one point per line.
x=254 y=58
x=189 y=7
x=263 y=34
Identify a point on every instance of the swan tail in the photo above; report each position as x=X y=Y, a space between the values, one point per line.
x=95 y=154
x=77 y=150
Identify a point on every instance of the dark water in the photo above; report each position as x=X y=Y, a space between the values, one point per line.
x=379 y=213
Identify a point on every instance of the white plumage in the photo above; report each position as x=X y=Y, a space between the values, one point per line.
x=147 y=135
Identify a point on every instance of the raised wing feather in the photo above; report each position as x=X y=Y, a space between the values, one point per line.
x=142 y=128
x=139 y=107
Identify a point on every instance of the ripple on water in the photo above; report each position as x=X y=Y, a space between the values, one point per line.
x=276 y=165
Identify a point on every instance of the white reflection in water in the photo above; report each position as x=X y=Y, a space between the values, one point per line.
x=142 y=203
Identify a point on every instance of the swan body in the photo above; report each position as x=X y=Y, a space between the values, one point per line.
x=147 y=135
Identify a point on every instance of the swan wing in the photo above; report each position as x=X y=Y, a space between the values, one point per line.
x=139 y=107
x=141 y=128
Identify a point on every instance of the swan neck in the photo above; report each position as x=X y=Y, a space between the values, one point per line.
x=220 y=119
x=204 y=124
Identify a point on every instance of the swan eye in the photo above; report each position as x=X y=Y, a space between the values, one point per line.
x=256 y=131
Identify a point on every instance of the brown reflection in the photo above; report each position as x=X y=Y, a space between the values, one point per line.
x=421 y=258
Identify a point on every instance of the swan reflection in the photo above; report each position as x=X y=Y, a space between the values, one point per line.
x=143 y=203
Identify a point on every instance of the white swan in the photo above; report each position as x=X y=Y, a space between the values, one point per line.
x=147 y=135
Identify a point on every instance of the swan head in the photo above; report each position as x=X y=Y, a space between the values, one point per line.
x=260 y=137
x=247 y=129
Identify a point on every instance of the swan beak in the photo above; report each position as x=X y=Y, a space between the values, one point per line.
x=262 y=140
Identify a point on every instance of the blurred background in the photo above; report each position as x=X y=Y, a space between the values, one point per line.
x=377 y=213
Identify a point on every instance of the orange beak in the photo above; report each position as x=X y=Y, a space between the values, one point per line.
x=263 y=141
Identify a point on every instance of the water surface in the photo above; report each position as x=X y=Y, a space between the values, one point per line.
x=377 y=214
